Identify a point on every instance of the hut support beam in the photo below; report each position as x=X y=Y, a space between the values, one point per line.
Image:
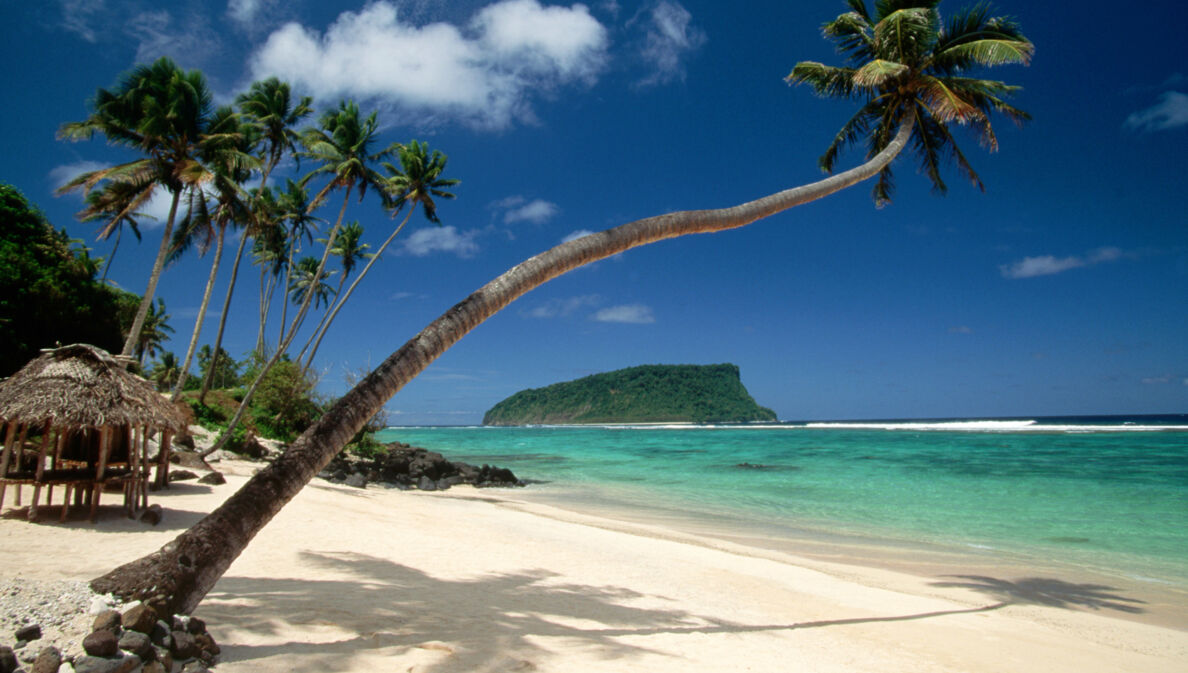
x=9 y=442
x=45 y=440
x=97 y=487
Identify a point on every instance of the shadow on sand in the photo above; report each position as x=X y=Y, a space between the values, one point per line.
x=497 y=621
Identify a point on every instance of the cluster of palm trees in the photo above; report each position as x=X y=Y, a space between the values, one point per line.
x=205 y=157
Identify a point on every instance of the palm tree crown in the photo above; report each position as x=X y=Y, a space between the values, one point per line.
x=418 y=179
x=910 y=67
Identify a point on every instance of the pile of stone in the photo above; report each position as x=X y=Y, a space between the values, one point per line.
x=121 y=642
x=408 y=467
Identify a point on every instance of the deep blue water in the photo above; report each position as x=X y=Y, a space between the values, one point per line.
x=1104 y=492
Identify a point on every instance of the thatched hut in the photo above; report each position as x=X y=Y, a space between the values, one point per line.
x=95 y=419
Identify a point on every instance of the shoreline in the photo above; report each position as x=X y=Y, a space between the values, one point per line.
x=370 y=579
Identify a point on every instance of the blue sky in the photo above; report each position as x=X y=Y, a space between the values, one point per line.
x=1063 y=289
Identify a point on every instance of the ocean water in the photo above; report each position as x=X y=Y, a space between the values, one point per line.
x=1105 y=493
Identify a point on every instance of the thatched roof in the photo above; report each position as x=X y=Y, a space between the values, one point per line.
x=82 y=386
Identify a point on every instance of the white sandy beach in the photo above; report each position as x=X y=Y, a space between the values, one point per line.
x=487 y=580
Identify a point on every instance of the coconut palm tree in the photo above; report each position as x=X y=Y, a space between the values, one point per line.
x=294 y=213
x=163 y=112
x=115 y=205
x=349 y=248
x=342 y=145
x=166 y=371
x=187 y=567
x=154 y=332
x=270 y=116
x=414 y=183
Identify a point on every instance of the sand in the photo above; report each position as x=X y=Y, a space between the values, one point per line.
x=368 y=580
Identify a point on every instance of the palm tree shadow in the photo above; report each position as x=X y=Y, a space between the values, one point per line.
x=1048 y=592
x=483 y=621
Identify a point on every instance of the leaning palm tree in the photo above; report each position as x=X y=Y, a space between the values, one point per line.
x=349 y=248
x=182 y=571
x=163 y=112
x=414 y=183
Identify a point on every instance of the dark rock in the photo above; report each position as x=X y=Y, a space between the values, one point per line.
x=101 y=644
x=442 y=484
x=29 y=633
x=426 y=484
x=108 y=620
x=160 y=603
x=194 y=626
x=206 y=643
x=48 y=660
x=140 y=618
x=160 y=634
x=154 y=667
x=152 y=515
x=181 y=475
x=356 y=480
x=90 y=664
x=195 y=667
x=184 y=646
x=8 y=660
x=339 y=476
x=184 y=440
x=137 y=643
x=214 y=479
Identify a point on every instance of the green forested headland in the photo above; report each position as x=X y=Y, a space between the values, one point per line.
x=645 y=394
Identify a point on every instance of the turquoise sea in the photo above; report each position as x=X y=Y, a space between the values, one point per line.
x=1108 y=494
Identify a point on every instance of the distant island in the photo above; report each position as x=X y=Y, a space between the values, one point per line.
x=644 y=394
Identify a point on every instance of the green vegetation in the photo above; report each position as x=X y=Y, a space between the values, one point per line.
x=45 y=274
x=646 y=394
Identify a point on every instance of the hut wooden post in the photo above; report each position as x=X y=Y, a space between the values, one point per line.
x=20 y=458
x=97 y=487
x=40 y=472
x=9 y=442
x=162 y=479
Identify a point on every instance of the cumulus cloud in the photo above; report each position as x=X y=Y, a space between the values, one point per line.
x=669 y=37
x=636 y=314
x=187 y=41
x=424 y=242
x=1170 y=112
x=245 y=11
x=1047 y=265
x=77 y=16
x=576 y=235
x=560 y=308
x=518 y=209
x=484 y=72
x=152 y=215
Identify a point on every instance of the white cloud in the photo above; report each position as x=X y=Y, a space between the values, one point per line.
x=670 y=36
x=484 y=73
x=426 y=241
x=77 y=15
x=636 y=314
x=560 y=308
x=1046 y=265
x=244 y=11
x=1170 y=112
x=536 y=212
x=60 y=175
x=154 y=214
x=188 y=41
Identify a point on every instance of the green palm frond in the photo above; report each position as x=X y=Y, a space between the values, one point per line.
x=825 y=80
x=879 y=73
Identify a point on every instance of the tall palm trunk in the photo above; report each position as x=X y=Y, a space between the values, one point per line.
x=210 y=282
x=158 y=264
x=286 y=339
x=107 y=266
x=321 y=327
x=321 y=332
x=185 y=569
x=206 y=380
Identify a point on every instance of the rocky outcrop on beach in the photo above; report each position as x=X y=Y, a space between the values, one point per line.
x=64 y=626
x=408 y=467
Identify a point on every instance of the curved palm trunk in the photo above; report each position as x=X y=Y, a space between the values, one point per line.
x=326 y=317
x=286 y=338
x=210 y=282
x=107 y=266
x=206 y=380
x=321 y=331
x=158 y=264
x=181 y=573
